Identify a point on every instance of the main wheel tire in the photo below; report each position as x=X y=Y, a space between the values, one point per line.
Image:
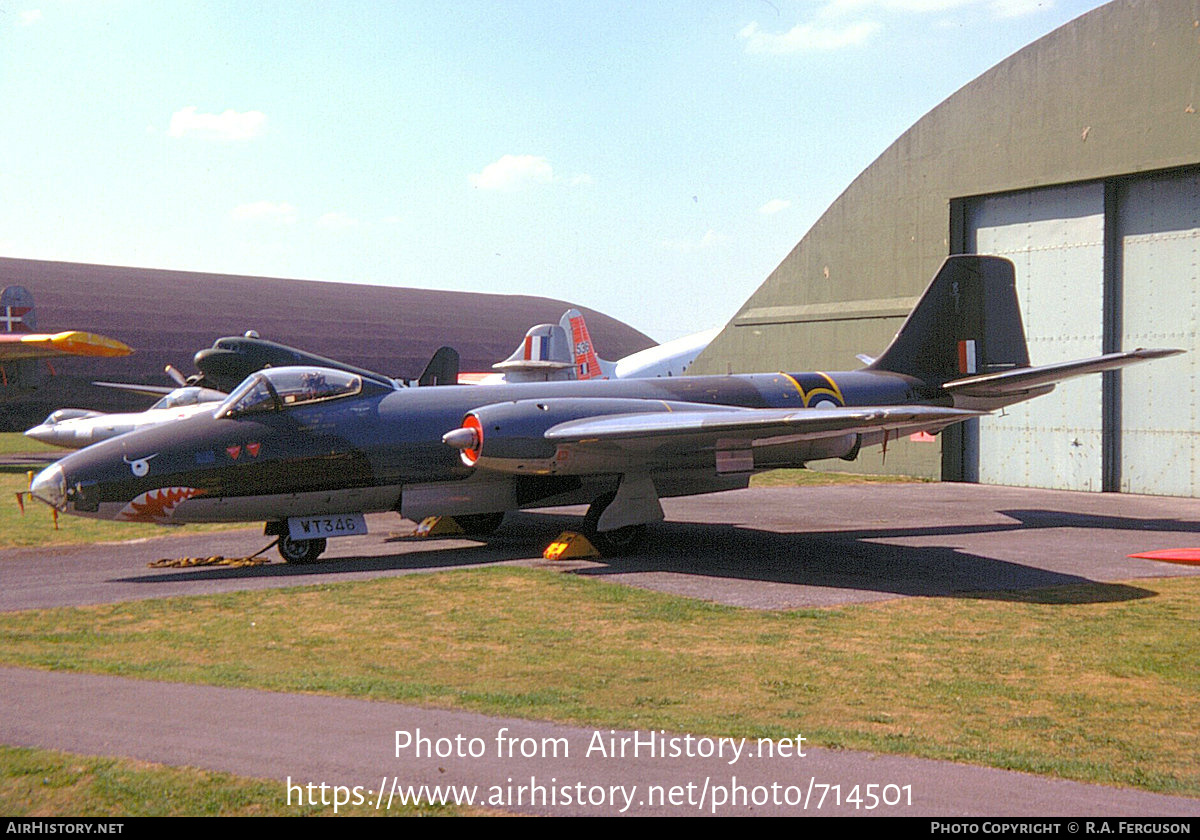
x=299 y=551
x=480 y=524
x=616 y=543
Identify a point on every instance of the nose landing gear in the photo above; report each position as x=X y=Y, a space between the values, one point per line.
x=293 y=551
x=299 y=551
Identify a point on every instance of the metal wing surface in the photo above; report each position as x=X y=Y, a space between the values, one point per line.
x=17 y=346
x=712 y=427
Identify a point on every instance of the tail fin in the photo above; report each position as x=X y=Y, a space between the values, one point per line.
x=587 y=364
x=16 y=310
x=544 y=354
x=442 y=368
x=967 y=322
x=17 y=315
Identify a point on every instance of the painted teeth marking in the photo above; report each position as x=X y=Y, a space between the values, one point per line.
x=157 y=505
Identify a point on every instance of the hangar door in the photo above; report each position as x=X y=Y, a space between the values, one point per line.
x=1101 y=266
x=1055 y=237
x=1159 y=257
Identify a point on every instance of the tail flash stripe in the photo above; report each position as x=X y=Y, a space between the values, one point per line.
x=967 y=362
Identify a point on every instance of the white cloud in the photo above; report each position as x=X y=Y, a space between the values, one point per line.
x=773 y=206
x=228 y=125
x=709 y=240
x=807 y=37
x=847 y=23
x=1019 y=8
x=842 y=7
x=998 y=8
x=29 y=18
x=336 y=221
x=277 y=212
x=512 y=172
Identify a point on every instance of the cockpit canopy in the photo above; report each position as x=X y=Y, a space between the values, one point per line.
x=276 y=389
x=190 y=395
x=61 y=414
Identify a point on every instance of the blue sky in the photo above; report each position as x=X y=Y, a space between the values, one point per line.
x=653 y=160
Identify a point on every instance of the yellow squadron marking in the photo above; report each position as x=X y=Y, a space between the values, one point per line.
x=806 y=397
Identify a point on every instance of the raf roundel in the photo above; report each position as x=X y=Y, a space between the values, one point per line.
x=141 y=466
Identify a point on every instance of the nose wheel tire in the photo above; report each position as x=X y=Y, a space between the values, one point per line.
x=299 y=551
x=615 y=543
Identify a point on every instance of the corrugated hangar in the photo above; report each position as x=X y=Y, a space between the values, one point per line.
x=166 y=316
x=1079 y=159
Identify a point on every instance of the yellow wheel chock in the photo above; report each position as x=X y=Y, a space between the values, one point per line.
x=569 y=546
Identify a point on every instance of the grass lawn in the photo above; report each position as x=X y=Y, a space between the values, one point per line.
x=1069 y=683
x=44 y=783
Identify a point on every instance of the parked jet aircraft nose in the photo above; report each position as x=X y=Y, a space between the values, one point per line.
x=50 y=486
x=44 y=433
x=55 y=431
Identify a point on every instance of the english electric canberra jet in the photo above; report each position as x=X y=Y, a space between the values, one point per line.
x=310 y=450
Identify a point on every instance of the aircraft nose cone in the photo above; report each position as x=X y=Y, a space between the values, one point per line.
x=44 y=433
x=50 y=486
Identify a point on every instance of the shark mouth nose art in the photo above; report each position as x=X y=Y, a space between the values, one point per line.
x=157 y=505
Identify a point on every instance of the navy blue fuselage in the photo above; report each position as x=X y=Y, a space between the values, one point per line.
x=394 y=437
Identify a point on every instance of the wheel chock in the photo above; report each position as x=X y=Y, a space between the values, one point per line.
x=437 y=526
x=569 y=546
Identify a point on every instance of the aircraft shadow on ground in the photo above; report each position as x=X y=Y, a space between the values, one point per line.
x=856 y=559
x=840 y=559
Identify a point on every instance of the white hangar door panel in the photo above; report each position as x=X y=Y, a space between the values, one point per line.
x=1160 y=269
x=1055 y=236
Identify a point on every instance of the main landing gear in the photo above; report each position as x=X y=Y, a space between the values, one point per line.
x=615 y=543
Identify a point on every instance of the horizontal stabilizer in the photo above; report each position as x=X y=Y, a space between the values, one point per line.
x=1020 y=381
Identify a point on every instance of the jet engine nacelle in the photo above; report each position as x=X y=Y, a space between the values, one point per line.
x=510 y=437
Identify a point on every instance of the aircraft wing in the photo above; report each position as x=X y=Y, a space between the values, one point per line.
x=14 y=346
x=148 y=390
x=1019 y=382
x=726 y=427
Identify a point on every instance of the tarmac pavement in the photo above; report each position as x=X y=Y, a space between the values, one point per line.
x=777 y=548
x=762 y=548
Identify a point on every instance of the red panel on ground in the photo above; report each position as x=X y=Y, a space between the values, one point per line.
x=1172 y=555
